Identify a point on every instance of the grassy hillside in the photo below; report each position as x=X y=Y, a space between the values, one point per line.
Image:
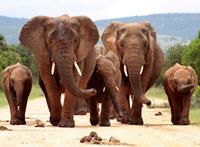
x=183 y=25
x=171 y=28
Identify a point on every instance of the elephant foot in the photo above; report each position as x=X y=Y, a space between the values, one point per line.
x=16 y=121
x=136 y=121
x=124 y=118
x=184 y=121
x=112 y=116
x=105 y=122
x=81 y=108
x=54 y=120
x=68 y=123
x=94 y=121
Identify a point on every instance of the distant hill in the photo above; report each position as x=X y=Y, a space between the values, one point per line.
x=10 y=28
x=171 y=28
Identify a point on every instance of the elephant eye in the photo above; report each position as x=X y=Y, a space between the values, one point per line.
x=50 y=25
x=189 y=81
x=144 y=31
x=175 y=81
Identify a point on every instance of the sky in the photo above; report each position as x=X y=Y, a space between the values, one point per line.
x=96 y=9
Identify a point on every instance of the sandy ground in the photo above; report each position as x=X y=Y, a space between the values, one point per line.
x=156 y=132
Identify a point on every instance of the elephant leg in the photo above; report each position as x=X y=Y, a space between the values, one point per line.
x=67 y=119
x=52 y=92
x=87 y=67
x=136 y=113
x=105 y=110
x=22 y=107
x=175 y=109
x=94 y=114
x=124 y=104
x=113 y=113
x=42 y=86
x=12 y=101
x=172 y=109
x=184 y=118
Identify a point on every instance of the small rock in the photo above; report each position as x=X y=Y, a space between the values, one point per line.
x=158 y=114
x=2 y=128
x=85 y=139
x=93 y=134
x=39 y=123
x=114 y=140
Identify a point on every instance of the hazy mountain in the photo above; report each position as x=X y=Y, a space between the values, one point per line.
x=171 y=28
x=10 y=28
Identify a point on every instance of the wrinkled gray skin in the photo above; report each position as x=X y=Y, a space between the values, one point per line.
x=136 y=46
x=17 y=84
x=106 y=79
x=179 y=83
x=62 y=40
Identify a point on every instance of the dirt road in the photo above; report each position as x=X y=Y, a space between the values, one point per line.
x=156 y=132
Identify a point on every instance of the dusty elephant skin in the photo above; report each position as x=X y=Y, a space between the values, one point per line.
x=17 y=84
x=141 y=61
x=106 y=79
x=64 y=49
x=179 y=84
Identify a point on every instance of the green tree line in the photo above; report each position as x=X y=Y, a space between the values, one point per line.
x=12 y=54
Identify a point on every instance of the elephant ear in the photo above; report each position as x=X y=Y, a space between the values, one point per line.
x=32 y=36
x=89 y=36
x=109 y=37
x=151 y=35
x=6 y=79
x=194 y=75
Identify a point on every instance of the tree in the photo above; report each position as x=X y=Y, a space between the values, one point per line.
x=174 y=55
x=191 y=55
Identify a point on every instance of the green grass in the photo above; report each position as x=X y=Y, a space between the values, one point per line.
x=35 y=93
x=195 y=116
x=157 y=92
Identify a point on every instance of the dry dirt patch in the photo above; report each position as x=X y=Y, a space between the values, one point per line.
x=157 y=130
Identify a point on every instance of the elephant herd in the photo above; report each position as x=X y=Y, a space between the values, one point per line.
x=125 y=67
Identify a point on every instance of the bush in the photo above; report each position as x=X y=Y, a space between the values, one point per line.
x=196 y=98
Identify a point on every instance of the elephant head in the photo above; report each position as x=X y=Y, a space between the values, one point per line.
x=182 y=79
x=134 y=43
x=61 y=42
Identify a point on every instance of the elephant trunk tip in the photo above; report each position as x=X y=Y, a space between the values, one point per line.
x=88 y=93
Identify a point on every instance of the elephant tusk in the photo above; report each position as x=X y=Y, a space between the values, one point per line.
x=117 y=88
x=125 y=71
x=104 y=89
x=53 y=68
x=141 y=70
x=77 y=68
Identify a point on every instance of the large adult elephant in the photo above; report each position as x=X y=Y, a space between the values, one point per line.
x=142 y=60
x=61 y=45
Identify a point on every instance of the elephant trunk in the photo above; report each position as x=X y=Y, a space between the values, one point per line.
x=113 y=91
x=64 y=64
x=135 y=63
x=185 y=88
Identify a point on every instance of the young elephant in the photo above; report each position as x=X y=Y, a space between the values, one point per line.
x=106 y=79
x=17 y=84
x=179 y=84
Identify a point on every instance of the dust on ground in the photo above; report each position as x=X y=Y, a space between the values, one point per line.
x=38 y=132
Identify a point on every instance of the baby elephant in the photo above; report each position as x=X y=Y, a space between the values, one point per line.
x=179 y=84
x=17 y=84
x=106 y=79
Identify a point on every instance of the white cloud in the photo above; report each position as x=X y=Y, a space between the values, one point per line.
x=100 y=9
